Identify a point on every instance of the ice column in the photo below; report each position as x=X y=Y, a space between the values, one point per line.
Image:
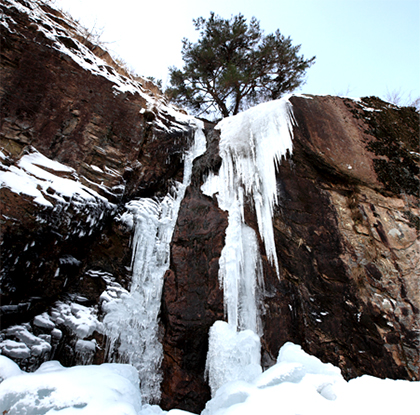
x=252 y=145
x=131 y=322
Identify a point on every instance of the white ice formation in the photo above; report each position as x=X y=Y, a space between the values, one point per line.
x=252 y=145
x=131 y=321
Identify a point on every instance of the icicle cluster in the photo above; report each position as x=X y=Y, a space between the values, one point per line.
x=252 y=145
x=131 y=322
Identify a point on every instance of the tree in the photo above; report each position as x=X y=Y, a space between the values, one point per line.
x=397 y=97
x=234 y=66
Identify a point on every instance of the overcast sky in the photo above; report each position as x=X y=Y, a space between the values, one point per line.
x=362 y=47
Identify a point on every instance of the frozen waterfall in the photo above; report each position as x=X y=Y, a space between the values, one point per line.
x=252 y=145
x=131 y=321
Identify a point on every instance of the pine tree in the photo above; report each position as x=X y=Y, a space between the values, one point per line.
x=233 y=66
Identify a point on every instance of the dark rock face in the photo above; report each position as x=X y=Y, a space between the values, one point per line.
x=346 y=227
x=113 y=145
x=354 y=235
x=347 y=245
x=192 y=300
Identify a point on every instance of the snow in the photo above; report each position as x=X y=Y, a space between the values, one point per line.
x=43 y=320
x=31 y=176
x=8 y=368
x=83 y=321
x=91 y=390
x=14 y=349
x=301 y=384
x=298 y=384
x=131 y=319
x=25 y=345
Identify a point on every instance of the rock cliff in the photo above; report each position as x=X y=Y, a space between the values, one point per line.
x=79 y=140
x=346 y=233
x=111 y=140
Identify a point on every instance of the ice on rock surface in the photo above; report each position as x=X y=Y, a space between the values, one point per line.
x=131 y=321
x=232 y=355
x=251 y=146
x=85 y=351
x=240 y=273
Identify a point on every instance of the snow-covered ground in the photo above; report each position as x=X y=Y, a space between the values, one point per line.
x=299 y=384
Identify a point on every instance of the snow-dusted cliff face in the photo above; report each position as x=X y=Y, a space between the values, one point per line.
x=131 y=232
x=88 y=156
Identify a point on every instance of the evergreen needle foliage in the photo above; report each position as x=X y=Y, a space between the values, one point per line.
x=233 y=66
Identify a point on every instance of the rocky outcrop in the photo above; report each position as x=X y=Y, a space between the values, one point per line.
x=347 y=241
x=79 y=140
x=192 y=300
x=111 y=140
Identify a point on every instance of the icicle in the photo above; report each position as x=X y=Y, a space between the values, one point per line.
x=131 y=322
x=252 y=145
x=240 y=272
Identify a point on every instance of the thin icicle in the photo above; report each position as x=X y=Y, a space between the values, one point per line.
x=131 y=322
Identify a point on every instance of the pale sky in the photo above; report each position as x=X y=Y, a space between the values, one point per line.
x=362 y=47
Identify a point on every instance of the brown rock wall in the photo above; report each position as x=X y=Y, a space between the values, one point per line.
x=192 y=299
x=117 y=144
x=348 y=250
